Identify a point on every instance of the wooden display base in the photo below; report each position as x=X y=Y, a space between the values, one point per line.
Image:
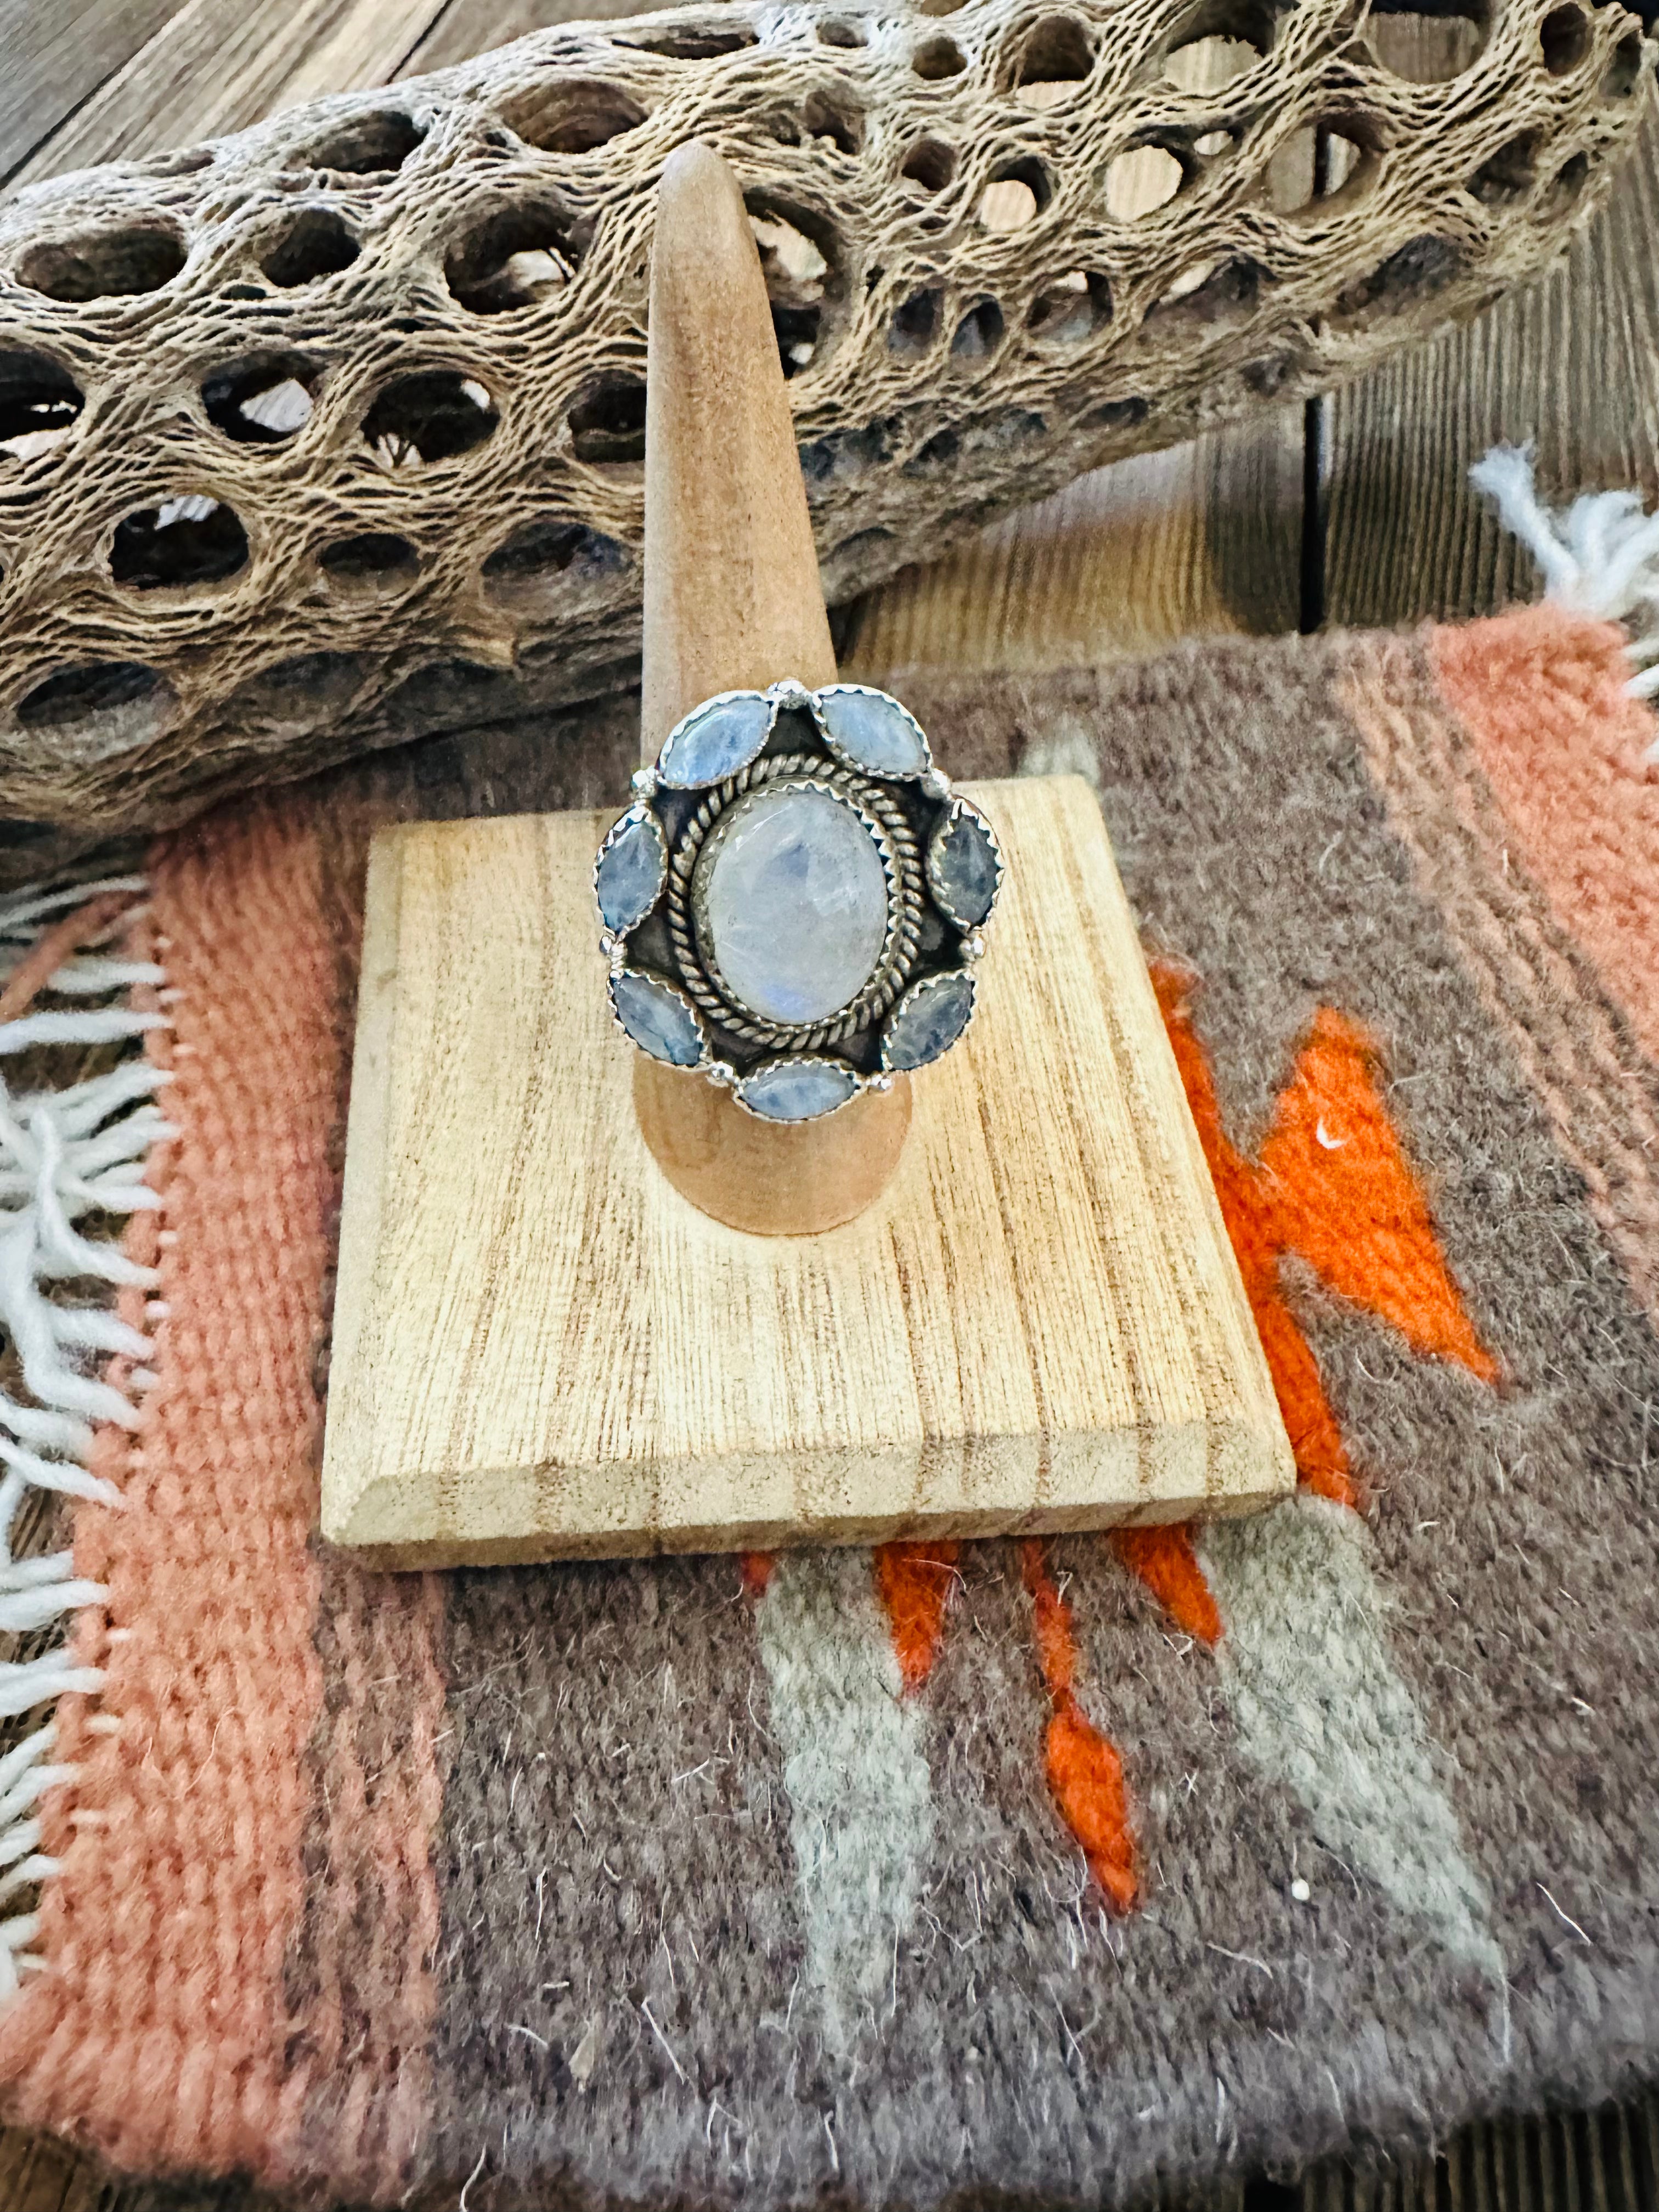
x=542 y=1349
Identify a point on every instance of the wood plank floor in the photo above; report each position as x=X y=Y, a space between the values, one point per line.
x=1355 y=510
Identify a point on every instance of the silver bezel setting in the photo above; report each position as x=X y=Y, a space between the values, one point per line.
x=904 y=813
x=688 y=889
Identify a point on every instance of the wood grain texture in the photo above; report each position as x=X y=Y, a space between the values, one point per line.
x=1205 y=537
x=215 y=65
x=56 y=57
x=465 y=28
x=1571 y=362
x=541 y=1350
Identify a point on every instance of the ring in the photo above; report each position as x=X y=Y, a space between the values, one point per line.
x=795 y=901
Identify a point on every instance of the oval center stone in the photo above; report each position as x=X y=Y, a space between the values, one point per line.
x=793 y=910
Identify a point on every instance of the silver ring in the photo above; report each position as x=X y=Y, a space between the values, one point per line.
x=795 y=903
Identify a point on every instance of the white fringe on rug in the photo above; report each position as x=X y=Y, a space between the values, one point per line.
x=62 y=1154
x=1601 y=554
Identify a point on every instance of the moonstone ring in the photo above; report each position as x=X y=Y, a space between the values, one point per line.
x=794 y=902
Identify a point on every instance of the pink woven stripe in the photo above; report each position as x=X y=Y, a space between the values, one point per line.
x=1563 y=748
x=1549 y=999
x=165 y=2024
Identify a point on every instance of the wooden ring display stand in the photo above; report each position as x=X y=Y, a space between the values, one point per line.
x=732 y=602
x=587 y=1305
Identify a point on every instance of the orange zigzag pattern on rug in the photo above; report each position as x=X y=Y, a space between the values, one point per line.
x=913 y=1583
x=1333 y=1185
x=1085 y=1772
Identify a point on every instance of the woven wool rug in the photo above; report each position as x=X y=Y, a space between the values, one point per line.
x=1055 y=1871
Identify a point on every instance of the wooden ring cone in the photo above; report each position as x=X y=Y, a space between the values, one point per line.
x=732 y=601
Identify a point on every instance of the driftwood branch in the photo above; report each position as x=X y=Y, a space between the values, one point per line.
x=330 y=434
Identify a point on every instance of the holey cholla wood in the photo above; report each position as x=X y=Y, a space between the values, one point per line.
x=329 y=433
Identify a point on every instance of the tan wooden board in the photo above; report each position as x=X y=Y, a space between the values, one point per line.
x=215 y=66
x=541 y=1349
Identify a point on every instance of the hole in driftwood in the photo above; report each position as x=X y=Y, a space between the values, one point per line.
x=430 y=416
x=1567 y=183
x=1071 y=308
x=315 y=244
x=834 y=116
x=938 y=7
x=1055 y=56
x=937 y=59
x=512 y=259
x=188 y=541
x=930 y=163
x=261 y=401
x=372 y=562
x=1321 y=162
x=108 y=264
x=1218 y=292
x=692 y=42
x=939 y=451
x=1624 y=70
x=1117 y=415
x=302 y=689
x=801 y=264
x=523 y=566
x=1564 y=34
x=840 y=30
x=1015 y=196
x=846 y=455
x=38 y=402
x=105 y=707
x=1139 y=182
x=978 y=332
x=565 y=118
x=447 y=693
x=1007 y=204
x=915 y=323
x=371 y=145
x=1207 y=64
x=1510 y=174
x=1430 y=48
x=1422 y=267
x=607 y=421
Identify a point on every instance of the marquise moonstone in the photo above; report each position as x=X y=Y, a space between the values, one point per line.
x=797 y=1090
x=963 y=867
x=657 y=1018
x=927 y=1021
x=715 y=740
x=873 y=730
x=795 y=907
x=631 y=867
